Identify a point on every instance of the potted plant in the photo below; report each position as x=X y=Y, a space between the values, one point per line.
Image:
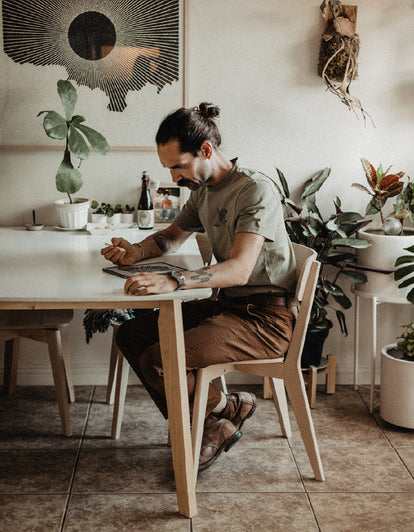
x=389 y=238
x=128 y=214
x=334 y=238
x=397 y=360
x=71 y=128
x=105 y=213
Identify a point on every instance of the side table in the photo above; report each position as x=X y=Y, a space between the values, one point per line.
x=375 y=299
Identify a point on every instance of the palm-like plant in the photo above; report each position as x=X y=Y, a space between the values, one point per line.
x=382 y=186
x=334 y=239
x=73 y=130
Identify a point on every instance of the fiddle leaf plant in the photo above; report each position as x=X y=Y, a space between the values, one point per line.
x=334 y=238
x=72 y=129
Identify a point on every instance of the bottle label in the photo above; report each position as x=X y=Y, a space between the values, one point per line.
x=146 y=219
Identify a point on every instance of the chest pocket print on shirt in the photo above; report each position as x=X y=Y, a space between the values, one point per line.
x=221 y=217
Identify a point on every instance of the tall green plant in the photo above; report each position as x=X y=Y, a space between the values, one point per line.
x=334 y=239
x=74 y=131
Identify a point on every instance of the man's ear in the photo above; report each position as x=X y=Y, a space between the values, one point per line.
x=206 y=149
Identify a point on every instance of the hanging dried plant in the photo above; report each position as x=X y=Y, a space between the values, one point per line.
x=339 y=53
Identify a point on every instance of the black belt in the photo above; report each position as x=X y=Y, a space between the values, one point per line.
x=274 y=300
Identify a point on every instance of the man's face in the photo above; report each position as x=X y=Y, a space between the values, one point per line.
x=186 y=169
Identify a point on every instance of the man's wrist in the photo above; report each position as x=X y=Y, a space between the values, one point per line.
x=141 y=251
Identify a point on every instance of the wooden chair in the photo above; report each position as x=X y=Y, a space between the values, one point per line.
x=282 y=372
x=310 y=375
x=48 y=326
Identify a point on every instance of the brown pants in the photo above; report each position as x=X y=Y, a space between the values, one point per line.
x=214 y=332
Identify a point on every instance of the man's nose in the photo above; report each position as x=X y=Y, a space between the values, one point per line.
x=175 y=176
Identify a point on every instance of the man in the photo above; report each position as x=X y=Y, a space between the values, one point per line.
x=240 y=211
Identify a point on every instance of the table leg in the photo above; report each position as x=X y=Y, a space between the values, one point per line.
x=356 y=343
x=374 y=353
x=170 y=327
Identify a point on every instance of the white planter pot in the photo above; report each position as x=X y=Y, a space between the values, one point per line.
x=115 y=219
x=73 y=215
x=397 y=390
x=127 y=218
x=98 y=218
x=383 y=252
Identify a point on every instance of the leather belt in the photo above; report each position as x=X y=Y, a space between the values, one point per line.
x=259 y=300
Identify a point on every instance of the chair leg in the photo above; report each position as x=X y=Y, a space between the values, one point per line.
x=279 y=398
x=67 y=363
x=331 y=374
x=223 y=384
x=11 y=355
x=312 y=381
x=299 y=402
x=267 y=390
x=199 y=410
x=58 y=368
x=110 y=388
x=122 y=372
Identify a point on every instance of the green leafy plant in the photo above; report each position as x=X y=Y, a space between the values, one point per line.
x=106 y=208
x=405 y=270
x=333 y=238
x=74 y=131
x=382 y=186
x=128 y=209
x=406 y=345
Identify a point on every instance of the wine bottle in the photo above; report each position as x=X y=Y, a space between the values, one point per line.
x=145 y=205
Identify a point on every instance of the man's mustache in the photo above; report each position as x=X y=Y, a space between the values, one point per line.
x=188 y=183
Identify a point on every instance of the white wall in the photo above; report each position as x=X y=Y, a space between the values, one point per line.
x=258 y=62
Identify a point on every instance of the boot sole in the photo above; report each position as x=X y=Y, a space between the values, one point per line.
x=225 y=446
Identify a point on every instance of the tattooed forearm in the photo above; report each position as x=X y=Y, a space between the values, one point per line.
x=162 y=242
x=202 y=276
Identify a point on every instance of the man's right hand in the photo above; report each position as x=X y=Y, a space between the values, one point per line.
x=121 y=252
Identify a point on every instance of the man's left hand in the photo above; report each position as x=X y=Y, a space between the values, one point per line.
x=145 y=284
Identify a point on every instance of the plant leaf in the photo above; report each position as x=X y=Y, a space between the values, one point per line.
x=407 y=282
x=77 y=144
x=54 y=125
x=404 y=260
x=342 y=323
x=410 y=296
x=314 y=184
x=361 y=187
x=402 y=272
x=68 y=178
x=283 y=182
x=356 y=243
x=356 y=277
x=373 y=206
x=97 y=141
x=343 y=300
x=68 y=97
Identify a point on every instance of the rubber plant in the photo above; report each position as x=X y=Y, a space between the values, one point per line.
x=334 y=238
x=71 y=127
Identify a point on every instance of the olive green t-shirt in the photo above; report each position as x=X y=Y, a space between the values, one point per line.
x=246 y=201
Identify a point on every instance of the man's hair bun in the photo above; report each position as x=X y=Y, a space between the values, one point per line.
x=208 y=110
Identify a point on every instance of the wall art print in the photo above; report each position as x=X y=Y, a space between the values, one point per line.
x=129 y=50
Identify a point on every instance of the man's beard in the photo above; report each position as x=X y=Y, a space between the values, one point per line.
x=189 y=184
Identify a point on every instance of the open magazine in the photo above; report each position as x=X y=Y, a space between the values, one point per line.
x=134 y=269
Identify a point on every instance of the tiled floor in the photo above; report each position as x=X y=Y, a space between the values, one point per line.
x=92 y=483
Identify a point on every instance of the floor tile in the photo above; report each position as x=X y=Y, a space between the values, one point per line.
x=398 y=436
x=407 y=456
x=229 y=512
x=247 y=469
x=347 y=512
x=30 y=513
x=29 y=419
x=36 y=471
x=125 y=513
x=373 y=468
x=139 y=470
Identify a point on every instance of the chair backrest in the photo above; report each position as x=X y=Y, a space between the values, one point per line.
x=204 y=248
x=307 y=268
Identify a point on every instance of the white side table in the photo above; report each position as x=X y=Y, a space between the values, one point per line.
x=376 y=299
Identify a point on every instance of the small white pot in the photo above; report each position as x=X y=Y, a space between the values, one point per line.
x=114 y=219
x=383 y=252
x=98 y=218
x=397 y=390
x=73 y=215
x=127 y=218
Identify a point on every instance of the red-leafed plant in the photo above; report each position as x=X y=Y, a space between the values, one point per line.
x=383 y=186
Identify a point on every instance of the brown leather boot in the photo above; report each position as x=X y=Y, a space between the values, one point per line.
x=240 y=406
x=218 y=436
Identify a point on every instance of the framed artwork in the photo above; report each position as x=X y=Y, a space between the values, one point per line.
x=168 y=200
x=128 y=59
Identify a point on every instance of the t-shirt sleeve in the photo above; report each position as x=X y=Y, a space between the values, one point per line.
x=260 y=210
x=187 y=219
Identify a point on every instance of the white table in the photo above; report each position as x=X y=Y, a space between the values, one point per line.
x=375 y=299
x=53 y=269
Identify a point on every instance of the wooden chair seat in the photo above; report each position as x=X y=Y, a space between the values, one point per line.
x=48 y=326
